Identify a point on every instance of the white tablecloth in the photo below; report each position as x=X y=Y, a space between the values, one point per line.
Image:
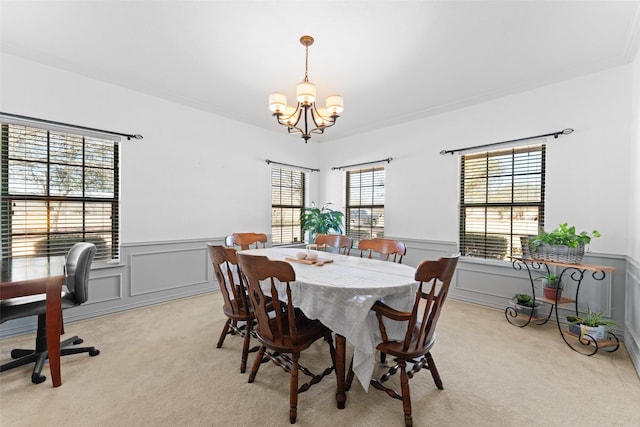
x=341 y=294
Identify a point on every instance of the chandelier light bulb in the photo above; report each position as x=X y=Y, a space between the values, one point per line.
x=335 y=105
x=277 y=102
x=306 y=93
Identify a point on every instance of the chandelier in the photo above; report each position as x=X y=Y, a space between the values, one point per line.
x=305 y=118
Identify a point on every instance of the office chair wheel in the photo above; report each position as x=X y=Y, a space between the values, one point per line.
x=37 y=379
x=78 y=341
x=94 y=352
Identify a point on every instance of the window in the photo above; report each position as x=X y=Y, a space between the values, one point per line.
x=501 y=199
x=365 y=203
x=57 y=189
x=287 y=203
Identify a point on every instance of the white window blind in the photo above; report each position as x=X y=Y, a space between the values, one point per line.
x=287 y=204
x=365 y=203
x=58 y=188
x=501 y=199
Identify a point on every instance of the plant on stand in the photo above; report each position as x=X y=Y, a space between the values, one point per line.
x=563 y=244
x=551 y=285
x=321 y=220
x=592 y=324
x=523 y=303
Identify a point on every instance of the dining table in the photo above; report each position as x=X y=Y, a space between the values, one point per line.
x=21 y=280
x=340 y=290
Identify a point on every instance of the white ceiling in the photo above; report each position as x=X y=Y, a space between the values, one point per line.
x=391 y=60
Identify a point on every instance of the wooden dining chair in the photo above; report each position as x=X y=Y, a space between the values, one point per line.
x=244 y=241
x=285 y=330
x=338 y=243
x=434 y=278
x=237 y=308
x=384 y=249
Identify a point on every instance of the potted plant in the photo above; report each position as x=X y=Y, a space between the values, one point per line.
x=523 y=303
x=592 y=324
x=563 y=244
x=321 y=220
x=551 y=285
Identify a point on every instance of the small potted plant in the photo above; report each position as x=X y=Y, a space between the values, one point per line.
x=320 y=220
x=592 y=324
x=551 y=285
x=523 y=303
x=563 y=244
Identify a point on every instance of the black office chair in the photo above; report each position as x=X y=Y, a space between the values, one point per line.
x=74 y=293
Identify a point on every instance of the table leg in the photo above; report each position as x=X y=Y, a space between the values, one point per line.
x=341 y=347
x=54 y=322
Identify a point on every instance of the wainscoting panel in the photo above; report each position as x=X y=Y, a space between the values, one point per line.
x=420 y=250
x=167 y=269
x=632 y=313
x=149 y=273
x=106 y=288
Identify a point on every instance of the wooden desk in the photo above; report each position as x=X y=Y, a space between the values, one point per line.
x=52 y=287
x=340 y=294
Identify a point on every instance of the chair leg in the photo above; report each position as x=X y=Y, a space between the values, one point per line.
x=256 y=364
x=406 y=395
x=434 y=371
x=293 y=389
x=245 y=347
x=225 y=330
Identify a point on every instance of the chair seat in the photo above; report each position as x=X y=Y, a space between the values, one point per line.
x=16 y=308
x=396 y=348
x=308 y=331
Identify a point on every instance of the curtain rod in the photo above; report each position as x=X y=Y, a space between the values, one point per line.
x=388 y=160
x=293 y=166
x=51 y=122
x=566 y=131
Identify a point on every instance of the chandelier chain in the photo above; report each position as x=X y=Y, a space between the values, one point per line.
x=306 y=63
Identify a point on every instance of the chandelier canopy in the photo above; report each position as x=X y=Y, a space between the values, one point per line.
x=305 y=118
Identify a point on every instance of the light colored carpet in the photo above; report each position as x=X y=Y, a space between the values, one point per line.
x=159 y=367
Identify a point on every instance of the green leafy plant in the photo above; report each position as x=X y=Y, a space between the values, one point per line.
x=321 y=220
x=550 y=280
x=523 y=300
x=591 y=319
x=563 y=235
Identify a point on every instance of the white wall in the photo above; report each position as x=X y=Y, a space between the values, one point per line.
x=634 y=161
x=588 y=172
x=193 y=175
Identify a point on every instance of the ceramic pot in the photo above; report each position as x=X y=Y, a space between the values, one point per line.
x=550 y=293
